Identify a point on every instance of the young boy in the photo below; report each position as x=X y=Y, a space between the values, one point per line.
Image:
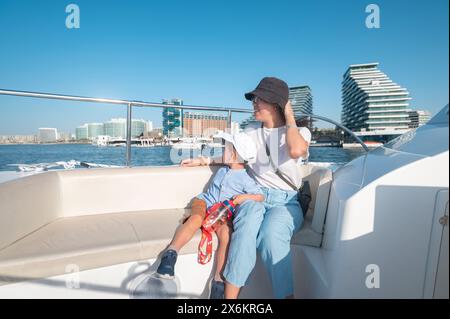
x=230 y=182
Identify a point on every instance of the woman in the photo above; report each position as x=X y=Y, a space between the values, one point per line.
x=268 y=227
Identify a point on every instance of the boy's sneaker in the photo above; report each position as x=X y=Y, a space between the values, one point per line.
x=217 y=290
x=166 y=268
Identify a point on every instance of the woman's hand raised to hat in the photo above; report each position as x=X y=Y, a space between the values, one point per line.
x=289 y=113
x=297 y=146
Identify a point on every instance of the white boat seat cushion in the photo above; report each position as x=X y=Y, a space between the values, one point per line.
x=311 y=232
x=90 y=242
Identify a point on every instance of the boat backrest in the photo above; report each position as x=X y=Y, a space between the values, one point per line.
x=28 y=203
x=320 y=179
x=101 y=191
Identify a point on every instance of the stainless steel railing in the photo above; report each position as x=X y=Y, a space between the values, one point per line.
x=130 y=105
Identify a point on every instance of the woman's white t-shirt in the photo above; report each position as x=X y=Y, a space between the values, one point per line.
x=275 y=138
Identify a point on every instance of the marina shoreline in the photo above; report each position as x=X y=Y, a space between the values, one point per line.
x=57 y=143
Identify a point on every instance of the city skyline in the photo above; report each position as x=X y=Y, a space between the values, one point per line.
x=128 y=52
x=35 y=131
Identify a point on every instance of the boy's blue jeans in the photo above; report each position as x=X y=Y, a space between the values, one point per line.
x=267 y=227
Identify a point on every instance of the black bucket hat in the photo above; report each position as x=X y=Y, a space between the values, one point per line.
x=272 y=90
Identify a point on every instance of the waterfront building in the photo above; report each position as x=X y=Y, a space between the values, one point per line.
x=302 y=101
x=149 y=126
x=138 y=128
x=95 y=129
x=372 y=102
x=18 y=139
x=64 y=137
x=172 y=118
x=48 y=135
x=116 y=128
x=203 y=125
x=418 y=118
x=81 y=132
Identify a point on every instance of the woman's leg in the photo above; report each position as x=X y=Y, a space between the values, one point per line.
x=274 y=238
x=242 y=251
x=231 y=291
x=223 y=234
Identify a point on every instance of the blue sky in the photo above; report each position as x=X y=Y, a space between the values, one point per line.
x=208 y=53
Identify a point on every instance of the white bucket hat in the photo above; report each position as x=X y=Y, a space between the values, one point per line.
x=243 y=144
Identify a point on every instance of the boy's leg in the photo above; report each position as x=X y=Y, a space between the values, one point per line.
x=217 y=285
x=186 y=231
x=223 y=234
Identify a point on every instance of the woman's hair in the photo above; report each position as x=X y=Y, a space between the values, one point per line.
x=279 y=109
x=303 y=121
x=281 y=112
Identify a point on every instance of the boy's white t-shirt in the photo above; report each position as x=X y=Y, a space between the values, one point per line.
x=275 y=138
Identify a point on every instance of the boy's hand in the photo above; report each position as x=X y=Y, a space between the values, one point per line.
x=237 y=199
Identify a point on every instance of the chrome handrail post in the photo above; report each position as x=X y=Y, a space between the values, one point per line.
x=128 y=153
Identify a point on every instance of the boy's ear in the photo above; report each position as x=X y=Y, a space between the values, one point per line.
x=234 y=155
x=237 y=157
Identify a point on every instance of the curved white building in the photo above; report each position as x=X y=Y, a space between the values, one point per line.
x=373 y=102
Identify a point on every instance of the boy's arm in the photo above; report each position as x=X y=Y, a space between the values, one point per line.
x=238 y=199
x=252 y=191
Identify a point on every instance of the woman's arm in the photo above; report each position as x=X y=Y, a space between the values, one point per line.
x=296 y=144
x=238 y=199
x=201 y=161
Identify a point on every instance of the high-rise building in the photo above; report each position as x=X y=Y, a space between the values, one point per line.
x=149 y=126
x=81 y=132
x=418 y=118
x=116 y=128
x=203 y=125
x=373 y=102
x=301 y=100
x=95 y=129
x=64 y=137
x=48 y=135
x=138 y=128
x=172 y=118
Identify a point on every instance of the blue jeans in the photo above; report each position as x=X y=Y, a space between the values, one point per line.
x=267 y=227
